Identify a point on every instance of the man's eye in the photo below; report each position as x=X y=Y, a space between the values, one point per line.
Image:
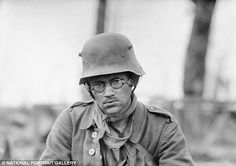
x=98 y=84
x=116 y=81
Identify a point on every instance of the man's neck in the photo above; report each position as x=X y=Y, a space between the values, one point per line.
x=121 y=125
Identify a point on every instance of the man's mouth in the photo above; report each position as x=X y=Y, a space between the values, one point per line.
x=109 y=102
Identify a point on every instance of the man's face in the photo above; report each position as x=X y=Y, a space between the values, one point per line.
x=112 y=92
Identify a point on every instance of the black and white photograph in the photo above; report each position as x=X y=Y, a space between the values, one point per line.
x=117 y=83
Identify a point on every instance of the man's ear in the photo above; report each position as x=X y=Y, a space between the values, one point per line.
x=134 y=79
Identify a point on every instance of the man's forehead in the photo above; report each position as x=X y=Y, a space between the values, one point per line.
x=108 y=77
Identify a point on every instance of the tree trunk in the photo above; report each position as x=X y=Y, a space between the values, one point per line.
x=101 y=16
x=194 y=71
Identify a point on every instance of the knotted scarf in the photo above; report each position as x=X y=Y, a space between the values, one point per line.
x=102 y=121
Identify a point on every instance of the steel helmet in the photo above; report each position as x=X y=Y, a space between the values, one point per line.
x=108 y=53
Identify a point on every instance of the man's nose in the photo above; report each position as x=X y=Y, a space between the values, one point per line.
x=109 y=91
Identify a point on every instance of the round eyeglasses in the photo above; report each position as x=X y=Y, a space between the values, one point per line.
x=99 y=87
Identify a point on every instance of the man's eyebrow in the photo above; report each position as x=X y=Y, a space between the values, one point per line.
x=98 y=81
x=111 y=78
x=116 y=77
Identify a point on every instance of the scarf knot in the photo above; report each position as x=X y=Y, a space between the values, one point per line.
x=102 y=120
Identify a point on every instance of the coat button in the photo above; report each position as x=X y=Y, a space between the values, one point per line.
x=94 y=134
x=91 y=152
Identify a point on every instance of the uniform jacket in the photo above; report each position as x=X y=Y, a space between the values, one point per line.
x=154 y=129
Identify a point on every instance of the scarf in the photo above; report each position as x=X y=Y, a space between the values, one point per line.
x=102 y=121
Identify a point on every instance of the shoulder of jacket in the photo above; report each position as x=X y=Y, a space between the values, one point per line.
x=80 y=104
x=160 y=111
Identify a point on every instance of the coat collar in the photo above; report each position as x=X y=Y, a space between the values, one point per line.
x=140 y=115
x=87 y=119
x=138 y=124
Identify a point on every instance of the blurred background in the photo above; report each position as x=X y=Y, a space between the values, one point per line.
x=186 y=47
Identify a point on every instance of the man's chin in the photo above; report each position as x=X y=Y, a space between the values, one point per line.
x=112 y=111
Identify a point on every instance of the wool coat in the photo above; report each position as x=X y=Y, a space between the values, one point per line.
x=156 y=139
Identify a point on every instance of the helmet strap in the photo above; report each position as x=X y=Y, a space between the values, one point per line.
x=88 y=89
x=139 y=78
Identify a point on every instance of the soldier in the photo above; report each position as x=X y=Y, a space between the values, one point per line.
x=115 y=128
